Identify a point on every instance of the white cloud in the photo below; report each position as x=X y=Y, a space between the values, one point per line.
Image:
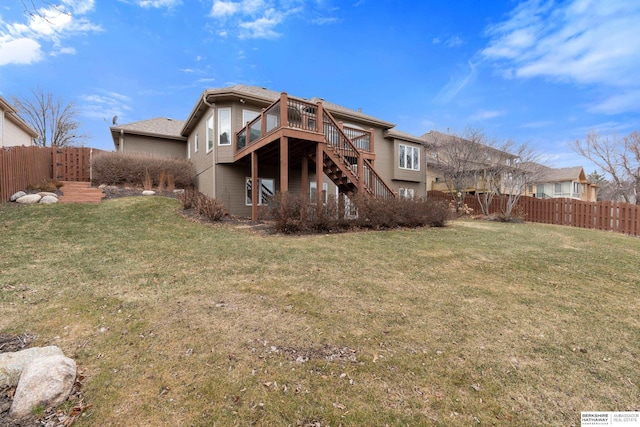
x=25 y=43
x=579 y=41
x=19 y=51
x=454 y=41
x=456 y=84
x=628 y=100
x=256 y=19
x=158 y=4
x=486 y=115
x=104 y=105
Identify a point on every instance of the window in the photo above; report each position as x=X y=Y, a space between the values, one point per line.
x=188 y=150
x=409 y=157
x=195 y=143
x=209 y=133
x=312 y=192
x=224 y=126
x=558 y=188
x=248 y=115
x=576 y=187
x=406 y=193
x=267 y=189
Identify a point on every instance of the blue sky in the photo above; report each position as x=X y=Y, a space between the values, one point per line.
x=541 y=72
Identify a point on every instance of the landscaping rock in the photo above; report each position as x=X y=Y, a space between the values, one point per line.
x=17 y=195
x=48 y=200
x=148 y=193
x=12 y=364
x=29 y=199
x=45 y=382
x=46 y=193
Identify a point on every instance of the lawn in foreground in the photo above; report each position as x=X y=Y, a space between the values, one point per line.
x=179 y=323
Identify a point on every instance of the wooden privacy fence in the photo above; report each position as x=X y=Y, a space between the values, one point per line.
x=22 y=167
x=606 y=215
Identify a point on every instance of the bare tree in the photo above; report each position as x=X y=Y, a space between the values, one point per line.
x=456 y=157
x=617 y=158
x=53 y=119
x=520 y=170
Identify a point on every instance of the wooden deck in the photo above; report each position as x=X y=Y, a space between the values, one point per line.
x=80 y=192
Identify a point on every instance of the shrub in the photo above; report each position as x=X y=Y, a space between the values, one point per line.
x=131 y=169
x=208 y=207
x=187 y=198
x=293 y=214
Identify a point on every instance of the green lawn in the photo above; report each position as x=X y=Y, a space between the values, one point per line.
x=179 y=323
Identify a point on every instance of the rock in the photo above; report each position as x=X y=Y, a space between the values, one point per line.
x=102 y=186
x=46 y=193
x=29 y=199
x=45 y=382
x=47 y=200
x=12 y=364
x=148 y=193
x=178 y=191
x=17 y=195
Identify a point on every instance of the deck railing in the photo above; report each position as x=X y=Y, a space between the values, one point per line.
x=347 y=142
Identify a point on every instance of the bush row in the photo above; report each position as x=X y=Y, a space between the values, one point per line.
x=141 y=170
x=293 y=214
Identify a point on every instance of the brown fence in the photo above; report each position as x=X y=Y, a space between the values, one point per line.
x=22 y=167
x=606 y=215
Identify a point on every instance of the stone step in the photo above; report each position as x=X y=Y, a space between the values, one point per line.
x=80 y=192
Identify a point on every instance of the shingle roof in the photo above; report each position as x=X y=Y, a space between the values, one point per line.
x=561 y=174
x=395 y=133
x=161 y=126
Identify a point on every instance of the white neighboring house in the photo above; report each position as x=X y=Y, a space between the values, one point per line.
x=14 y=131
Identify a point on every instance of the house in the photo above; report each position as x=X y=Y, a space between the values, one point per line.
x=159 y=137
x=13 y=130
x=569 y=183
x=456 y=164
x=241 y=135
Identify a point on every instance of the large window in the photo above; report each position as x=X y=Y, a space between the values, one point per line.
x=267 y=189
x=406 y=193
x=576 y=187
x=313 y=187
x=248 y=115
x=409 y=157
x=210 y=133
x=224 y=126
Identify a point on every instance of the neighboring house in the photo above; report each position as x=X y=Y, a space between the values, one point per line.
x=241 y=135
x=455 y=163
x=569 y=183
x=158 y=137
x=13 y=130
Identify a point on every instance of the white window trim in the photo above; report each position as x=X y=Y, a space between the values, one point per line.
x=246 y=182
x=195 y=143
x=219 y=130
x=188 y=150
x=325 y=192
x=209 y=132
x=406 y=193
x=411 y=148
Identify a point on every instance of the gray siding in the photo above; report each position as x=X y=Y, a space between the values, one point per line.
x=154 y=146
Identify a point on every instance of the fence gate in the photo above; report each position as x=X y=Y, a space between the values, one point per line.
x=72 y=163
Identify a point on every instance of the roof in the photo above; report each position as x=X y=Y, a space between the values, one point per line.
x=13 y=116
x=158 y=126
x=398 y=134
x=437 y=139
x=266 y=97
x=575 y=173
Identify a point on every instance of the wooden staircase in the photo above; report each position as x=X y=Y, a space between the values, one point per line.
x=80 y=192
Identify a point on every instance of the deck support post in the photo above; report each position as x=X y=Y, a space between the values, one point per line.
x=305 y=177
x=284 y=165
x=255 y=186
x=319 y=173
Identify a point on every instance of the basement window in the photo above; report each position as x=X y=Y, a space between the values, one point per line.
x=267 y=190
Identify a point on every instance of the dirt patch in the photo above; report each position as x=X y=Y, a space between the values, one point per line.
x=64 y=416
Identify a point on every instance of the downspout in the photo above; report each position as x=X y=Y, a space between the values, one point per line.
x=214 y=149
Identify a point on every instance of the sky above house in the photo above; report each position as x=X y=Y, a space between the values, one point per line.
x=541 y=72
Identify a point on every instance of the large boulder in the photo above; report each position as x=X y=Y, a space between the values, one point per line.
x=29 y=199
x=17 y=195
x=45 y=382
x=47 y=193
x=12 y=364
x=47 y=200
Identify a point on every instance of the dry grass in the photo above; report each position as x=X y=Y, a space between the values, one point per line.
x=178 y=323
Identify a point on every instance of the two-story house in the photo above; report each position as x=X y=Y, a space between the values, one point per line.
x=241 y=135
x=570 y=183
